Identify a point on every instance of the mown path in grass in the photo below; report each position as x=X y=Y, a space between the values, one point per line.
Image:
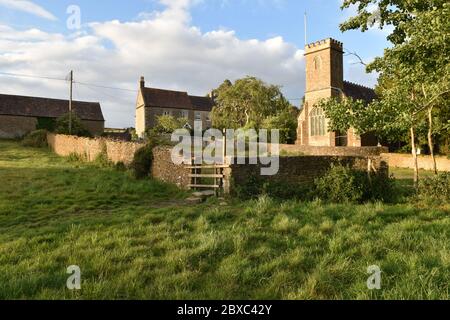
x=139 y=239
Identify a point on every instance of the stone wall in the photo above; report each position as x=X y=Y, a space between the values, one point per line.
x=297 y=170
x=425 y=162
x=333 y=151
x=117 y=151
x=12 y=127
x=164 y=169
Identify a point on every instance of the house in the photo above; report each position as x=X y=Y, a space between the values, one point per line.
x=152 y=103
x=325 y=79
x=20 y=115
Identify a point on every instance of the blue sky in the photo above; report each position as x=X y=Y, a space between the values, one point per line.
x=188 y=45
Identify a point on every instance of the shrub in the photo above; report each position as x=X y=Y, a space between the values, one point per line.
x=435 y=188
x=75 y=157
x=78 y=129
x=35 y=139
x=142 y=161
x=120 y=166
x=344 y=185
x=102 y=160
x=339 y=185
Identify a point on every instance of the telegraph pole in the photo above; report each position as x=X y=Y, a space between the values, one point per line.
x=70 y=102
x=306 y=29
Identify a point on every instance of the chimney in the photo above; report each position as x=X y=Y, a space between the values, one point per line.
x=142 y=83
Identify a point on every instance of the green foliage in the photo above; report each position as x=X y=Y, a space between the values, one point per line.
x=76 y=157
x=102 y=159
x=142 y=161
x=167 y=124
x=286 y=122
x=347 y=113
x=120 y=166
x=344 y=185
x=78 y=129
x=35 y=139
x=396 y=13
x=339 y=185
x=48 y=124
x=248 y=103
x=435 y=188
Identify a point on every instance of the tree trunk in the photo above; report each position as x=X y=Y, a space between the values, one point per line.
x=430 y=139
x=414 y=154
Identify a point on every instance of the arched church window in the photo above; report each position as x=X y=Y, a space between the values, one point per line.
x=317 y=63
x=317 y=120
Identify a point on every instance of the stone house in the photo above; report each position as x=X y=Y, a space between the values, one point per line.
x=325 y=79
x=20 y=115
x=152 y=103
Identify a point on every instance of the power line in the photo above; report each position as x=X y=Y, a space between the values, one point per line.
x=104 y=87
x=30 y=76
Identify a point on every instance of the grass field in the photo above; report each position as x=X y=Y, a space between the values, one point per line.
x=141 y=240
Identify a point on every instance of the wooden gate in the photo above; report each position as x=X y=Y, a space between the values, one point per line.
x=207 y=177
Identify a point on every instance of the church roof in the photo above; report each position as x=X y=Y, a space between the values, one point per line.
x=48 y=108
x=359 y=92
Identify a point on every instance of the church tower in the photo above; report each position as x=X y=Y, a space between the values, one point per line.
x=324 y=79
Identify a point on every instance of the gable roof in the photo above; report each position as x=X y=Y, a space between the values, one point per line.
x=175 y=100
x=202 y=103
x=48 y=108
x=359 y=92
x=166 y=98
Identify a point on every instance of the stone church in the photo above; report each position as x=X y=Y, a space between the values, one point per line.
x=325 y=79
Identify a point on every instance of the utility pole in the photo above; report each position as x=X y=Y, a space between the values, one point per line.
x=70 y=102
x=306 y=29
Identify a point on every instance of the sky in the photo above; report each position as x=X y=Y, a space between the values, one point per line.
x=186 y=45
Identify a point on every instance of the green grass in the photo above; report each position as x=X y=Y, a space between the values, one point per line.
x=139 y=239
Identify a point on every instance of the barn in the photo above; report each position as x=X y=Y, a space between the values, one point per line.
x=21 y=114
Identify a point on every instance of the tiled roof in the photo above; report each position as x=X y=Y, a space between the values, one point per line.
x=166 y=98
x=359 y=92
x=48 y=108
x=175 y=100
x=202 y=103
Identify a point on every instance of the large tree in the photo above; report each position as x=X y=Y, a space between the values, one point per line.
x=252 y=104
x=415 y=72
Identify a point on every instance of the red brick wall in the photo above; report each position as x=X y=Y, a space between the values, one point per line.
x=117 y=151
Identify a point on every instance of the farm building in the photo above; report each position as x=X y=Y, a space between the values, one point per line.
x=21 y=114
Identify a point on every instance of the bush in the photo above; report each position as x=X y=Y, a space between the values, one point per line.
x=257 y=186
x=35 y=139
x=120 y=166
x=142 y=161
x=78 y=129
x=344 y=185
x=435 y=188
x=75 y=157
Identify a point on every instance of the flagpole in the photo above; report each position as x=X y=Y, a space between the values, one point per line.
x=306 y=29
x=70 y=102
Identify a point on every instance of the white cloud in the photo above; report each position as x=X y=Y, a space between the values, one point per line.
x=29 y=7
x=164 y=47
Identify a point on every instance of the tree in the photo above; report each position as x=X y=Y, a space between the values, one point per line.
x=251 y=103
x=167 y=124
x=78 y=129
x=414 y=73
x=396 y=13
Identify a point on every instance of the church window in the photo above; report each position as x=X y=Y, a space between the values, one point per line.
x=317 y=63
x=318 y=125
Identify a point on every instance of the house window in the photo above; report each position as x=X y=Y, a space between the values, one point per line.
x=185 y=114
x=167 y=113
x=317 y=120
x=198 y=116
